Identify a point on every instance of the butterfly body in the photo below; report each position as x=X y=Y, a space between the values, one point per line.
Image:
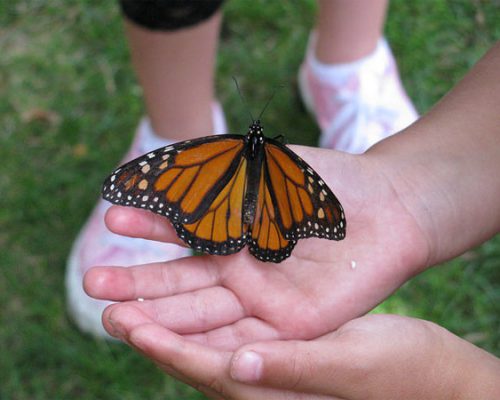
x=227 y=191
x=255 y=156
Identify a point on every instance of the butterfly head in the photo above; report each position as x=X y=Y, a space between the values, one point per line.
x=256 y=129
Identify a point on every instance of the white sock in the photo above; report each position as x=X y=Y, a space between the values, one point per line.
x=337 y=74
x=149 y=140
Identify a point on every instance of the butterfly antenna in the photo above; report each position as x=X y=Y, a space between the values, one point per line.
x=243 y=99
x=270 y=99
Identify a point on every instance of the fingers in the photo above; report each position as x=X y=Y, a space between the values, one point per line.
x=129 y=324
x=312 y=367
x=379 y=356
x=197 y=365
x=232 y=336
x=202 y=367
x=192 y=312
x=152 y=280
x=134 y=222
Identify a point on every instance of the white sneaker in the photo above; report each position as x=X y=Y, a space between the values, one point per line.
x=355 y=104
x=97 y=246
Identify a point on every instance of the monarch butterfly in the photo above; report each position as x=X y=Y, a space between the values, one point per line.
x=227 y=191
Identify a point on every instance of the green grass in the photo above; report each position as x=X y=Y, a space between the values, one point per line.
x=68 y=107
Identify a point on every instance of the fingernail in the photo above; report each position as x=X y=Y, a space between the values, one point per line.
x=118 y=330
x=247 y=367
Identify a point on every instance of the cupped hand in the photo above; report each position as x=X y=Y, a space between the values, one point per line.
x=376 y=357
x=227 y=301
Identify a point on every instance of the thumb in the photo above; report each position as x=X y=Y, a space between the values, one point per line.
x=310 y=367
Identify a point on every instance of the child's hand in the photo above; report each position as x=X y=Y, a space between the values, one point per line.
x=227 y=301
x=376 y=357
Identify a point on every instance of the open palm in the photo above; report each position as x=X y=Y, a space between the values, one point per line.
x=227 y=301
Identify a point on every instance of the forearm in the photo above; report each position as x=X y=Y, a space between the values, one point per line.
x=446 y=167
x=485 y=380
x=471 y=373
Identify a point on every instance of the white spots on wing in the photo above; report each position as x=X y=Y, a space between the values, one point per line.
x=145 y=169
x=143 y=185
x=150 y=155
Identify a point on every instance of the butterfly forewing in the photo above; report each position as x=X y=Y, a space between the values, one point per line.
x=305 y=205
x=178 y=181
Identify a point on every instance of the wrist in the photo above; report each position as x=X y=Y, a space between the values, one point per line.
x=479 y=376
x=405 y=177
x=433 y=184
x=466 y=371
x=444 y=166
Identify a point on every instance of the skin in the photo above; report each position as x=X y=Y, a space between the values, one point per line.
x=176 y=72
x=413 y=200
x=348 y=30
x=373 y=357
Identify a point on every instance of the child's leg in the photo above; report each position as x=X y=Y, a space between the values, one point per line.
x=348 y=29
x=349 y=79
x=176 y=72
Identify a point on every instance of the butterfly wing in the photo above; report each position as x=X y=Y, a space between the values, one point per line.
x=220 y=230
x=305 y=206
x=199 y=185
x=267 y=242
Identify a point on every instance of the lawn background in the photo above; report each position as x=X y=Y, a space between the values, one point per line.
x=69 y=104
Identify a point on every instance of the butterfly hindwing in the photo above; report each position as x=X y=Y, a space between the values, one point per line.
x=305 y=205
x=220 y=230
x=267 y=241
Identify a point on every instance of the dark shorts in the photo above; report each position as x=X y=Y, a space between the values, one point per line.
x=169 y=15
